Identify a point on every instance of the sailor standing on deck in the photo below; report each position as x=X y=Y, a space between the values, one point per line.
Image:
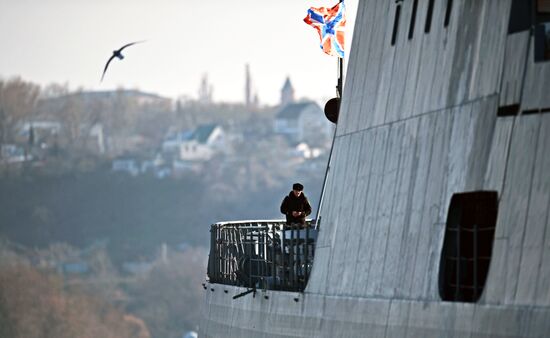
x=296 y=206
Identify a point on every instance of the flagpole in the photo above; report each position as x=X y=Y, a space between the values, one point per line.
x=340 y=72
x=340 y=77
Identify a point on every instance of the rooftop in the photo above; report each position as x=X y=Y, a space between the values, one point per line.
x=292 y=110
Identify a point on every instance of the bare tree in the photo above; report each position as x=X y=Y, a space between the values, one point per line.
x=35 y=304
x=169 y=298
x=54 y=90
x=17 y=102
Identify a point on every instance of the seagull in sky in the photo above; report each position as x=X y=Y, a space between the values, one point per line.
x=118 y=54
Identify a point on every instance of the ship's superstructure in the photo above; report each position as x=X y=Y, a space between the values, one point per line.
x=435 y=219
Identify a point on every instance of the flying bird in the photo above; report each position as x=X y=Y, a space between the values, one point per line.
x=118 y=54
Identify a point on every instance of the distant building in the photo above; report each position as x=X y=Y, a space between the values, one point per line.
x=305 y=151
x=141 y=98
x=11 y=153
x=251 y=99
x=301 y=122
x=41 y=127
x=173 y=142
x=205 y=91
x=96 y=135
x=44 y=134
x=127 y=165
x=287 y=93
x=203 y=143
x=247 y=86
x=40 y=133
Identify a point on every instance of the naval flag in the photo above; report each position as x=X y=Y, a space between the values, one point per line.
x=330 y=24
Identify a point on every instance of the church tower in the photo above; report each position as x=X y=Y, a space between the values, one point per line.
x=247 y=87
x=287 y=93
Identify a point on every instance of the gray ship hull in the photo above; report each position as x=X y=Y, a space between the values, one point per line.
x=315 y=315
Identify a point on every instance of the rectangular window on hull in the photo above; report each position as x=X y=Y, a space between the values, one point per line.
x=468 y=245
x=428 y=23
x=413 y=19
x=448 y=12
x=521 y=16
x=536 y=111
x=511 y=110
x=542 y=31
x=396 y=24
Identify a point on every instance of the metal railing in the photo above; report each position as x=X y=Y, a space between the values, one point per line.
x=261 y=254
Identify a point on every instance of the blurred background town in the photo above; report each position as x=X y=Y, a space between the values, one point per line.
x=107 y=198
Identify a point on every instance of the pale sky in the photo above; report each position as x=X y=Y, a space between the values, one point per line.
x=69 y=41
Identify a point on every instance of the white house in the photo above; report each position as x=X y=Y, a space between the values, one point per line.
x=96 y=134
x=302 y=122
x=305 y=151
x=172 y=143
x=205 y=141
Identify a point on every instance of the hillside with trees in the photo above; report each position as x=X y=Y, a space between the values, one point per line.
x=37 y=301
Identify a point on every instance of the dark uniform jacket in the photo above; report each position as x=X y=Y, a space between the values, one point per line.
x=292 y=203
